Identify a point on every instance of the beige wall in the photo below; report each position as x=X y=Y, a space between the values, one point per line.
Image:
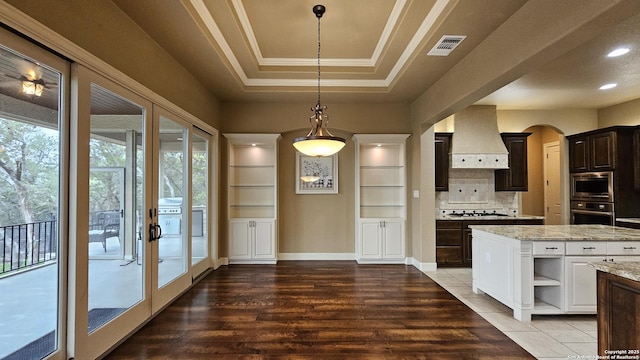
x=533 y=200
x=567 y=122
x=627 y=113
x=317 y=224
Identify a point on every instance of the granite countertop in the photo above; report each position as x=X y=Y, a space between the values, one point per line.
x=489 y=217
x=629 y=220
x=562 y=232
x=626 y=269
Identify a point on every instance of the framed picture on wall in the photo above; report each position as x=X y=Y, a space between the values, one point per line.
x=316 y=175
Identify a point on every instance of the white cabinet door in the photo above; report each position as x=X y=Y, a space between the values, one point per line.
x=580 y=284
x=370 y=239
x=393 y=239
x=264 y=239
x=240 y=234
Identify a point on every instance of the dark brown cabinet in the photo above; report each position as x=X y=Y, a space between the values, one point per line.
x=636 y=159
x=516 y=177
x=454 y=240
x=579 y=153
x=603 y=151
x=612 y=150
x=442 y=146
x=449 y=243
x=593 y=151
x=618 y=314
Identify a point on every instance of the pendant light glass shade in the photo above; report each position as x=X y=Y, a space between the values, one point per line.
x=319 y=141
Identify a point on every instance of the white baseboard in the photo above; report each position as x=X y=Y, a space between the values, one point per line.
x=316 y=256
x=220 y=262
x=424 y=267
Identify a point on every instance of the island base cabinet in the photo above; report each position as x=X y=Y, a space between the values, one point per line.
x=580 y=289
x=618 y=314
x=252 y=241
x=381 y=241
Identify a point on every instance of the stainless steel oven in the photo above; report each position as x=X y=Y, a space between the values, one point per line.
x=592 y=212
x=592 y=186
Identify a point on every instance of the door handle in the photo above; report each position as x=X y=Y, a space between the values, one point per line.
x=158 y=231
x=152 y=232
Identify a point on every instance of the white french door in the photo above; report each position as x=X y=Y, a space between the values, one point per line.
x=34 y=120
x=160 y=230
x=109 y=296
x=169 y=217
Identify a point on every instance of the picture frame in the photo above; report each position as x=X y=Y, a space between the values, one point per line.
x=316 y=175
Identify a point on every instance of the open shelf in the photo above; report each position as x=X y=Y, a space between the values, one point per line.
x=542 y=307
x=540 y=280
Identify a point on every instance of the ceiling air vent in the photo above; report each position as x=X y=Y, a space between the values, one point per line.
x=446 y=45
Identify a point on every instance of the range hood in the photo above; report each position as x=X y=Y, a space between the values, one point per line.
x=476 y=142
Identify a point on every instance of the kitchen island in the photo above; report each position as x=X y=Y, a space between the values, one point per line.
x=544 y=269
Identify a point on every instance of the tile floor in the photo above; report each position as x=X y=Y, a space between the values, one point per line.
x=546 y=337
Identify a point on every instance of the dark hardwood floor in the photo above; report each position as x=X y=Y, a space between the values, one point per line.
x=318 y=310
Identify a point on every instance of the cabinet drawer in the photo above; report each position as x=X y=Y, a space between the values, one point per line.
x=623 y=248
x=448 y=237
x=548 y=248
x=586 y=248
x=448 y=224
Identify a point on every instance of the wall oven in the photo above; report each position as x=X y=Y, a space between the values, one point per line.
x=592 y=186
x=592 y=212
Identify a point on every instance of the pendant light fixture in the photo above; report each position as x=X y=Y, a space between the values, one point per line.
x=319 y=141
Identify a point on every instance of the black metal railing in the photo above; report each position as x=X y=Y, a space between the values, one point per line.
x=26 y=245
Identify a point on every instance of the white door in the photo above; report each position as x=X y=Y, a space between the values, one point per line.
x=580 y=283
x=393 y=239
x=171 y=165
x=202 y=228
x=34 y=150
x=264 y=239
x=371 y=239
x=111 y=296
x=117 y=128
x=240 y=235
x=553 y=201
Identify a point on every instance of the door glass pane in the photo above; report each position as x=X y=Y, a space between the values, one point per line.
x=115 y=206
x=199 y=198
x=171 y=217
x=29 y=199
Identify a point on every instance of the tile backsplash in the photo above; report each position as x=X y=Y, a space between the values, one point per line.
x=473 y=189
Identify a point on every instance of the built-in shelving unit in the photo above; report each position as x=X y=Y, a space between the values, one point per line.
x=252 y=197
x=381 y=197
x=547 y=285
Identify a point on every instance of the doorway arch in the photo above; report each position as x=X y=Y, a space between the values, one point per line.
x=545 y=157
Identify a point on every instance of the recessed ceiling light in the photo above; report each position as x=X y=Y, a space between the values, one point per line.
x=608 y=86
x=618 y=52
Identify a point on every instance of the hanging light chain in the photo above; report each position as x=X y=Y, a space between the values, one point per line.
x=319 y=17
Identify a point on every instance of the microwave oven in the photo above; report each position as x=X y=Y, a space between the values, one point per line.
x=592 y=186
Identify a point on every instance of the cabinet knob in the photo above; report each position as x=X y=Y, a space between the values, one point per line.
x=551 y=248
x=588 y=248
x=629 y=248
